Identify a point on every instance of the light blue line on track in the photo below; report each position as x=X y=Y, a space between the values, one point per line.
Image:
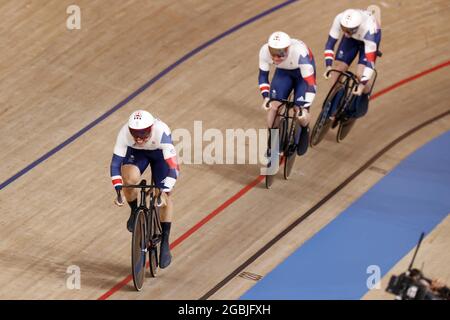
x=378 y=229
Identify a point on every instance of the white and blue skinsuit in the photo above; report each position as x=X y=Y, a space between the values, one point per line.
x=297 y=72
x=158 y=152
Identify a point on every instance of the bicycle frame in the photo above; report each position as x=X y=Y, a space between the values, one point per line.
x=148 y=190
x=350 y=82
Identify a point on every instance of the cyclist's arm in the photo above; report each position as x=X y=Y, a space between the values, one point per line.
x=370 y=49
x=120 y=150
x=264 y=67
x=333 y=37
x=264 y=85
x=116 y=177
x=170 y=156
x=308 y=75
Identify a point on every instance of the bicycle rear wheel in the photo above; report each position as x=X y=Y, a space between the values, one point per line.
x=155 y=236
x=153 y=263
x=282 y=132
x=290 y=160
x=138 y=250
x=284 y=126
x=291 y=151
x=344 y=129
x=269 y=178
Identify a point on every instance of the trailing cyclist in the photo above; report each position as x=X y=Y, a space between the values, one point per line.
x=361 y=34
x=295 y=69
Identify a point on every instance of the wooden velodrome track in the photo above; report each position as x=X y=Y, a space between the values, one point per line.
x=55 y=82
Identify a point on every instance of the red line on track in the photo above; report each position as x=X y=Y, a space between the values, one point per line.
x=414 y=77
x=259 y=179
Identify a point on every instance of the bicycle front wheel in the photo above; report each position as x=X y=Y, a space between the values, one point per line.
x=323 y=122
x=138 y=250
x=320 y=128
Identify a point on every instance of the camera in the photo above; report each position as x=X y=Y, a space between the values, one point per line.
x=413 y=285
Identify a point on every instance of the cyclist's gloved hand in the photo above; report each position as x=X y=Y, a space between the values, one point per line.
x=304 y=119
x=264 y=105
x=326 y=75
x=118 y=201
x=162 y=199
x=358 y=90
x=169 y=183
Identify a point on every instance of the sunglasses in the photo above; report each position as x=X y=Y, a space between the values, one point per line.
x=349 y=30
x=280 y=53
x=141 y=133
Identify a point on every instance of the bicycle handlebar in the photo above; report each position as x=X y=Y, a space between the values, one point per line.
x=142 y=185
x=284 y=102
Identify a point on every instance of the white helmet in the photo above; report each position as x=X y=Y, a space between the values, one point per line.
x=278 y=43
x=351 y=20
x=140 y=124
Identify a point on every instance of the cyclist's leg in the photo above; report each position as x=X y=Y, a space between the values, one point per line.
x=338 y=65
x=160 y=169
x=302 y=136
x=133 y=166
x=361 y=103
x=346 y=53
x=302 y=139
x=280 y=88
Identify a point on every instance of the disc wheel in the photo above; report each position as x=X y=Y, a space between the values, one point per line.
x=290 y=153
x=344 y=129
x=269 y=177
x=153 y=261
x=153 y=251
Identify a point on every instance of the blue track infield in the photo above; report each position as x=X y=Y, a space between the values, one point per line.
x=380 y=228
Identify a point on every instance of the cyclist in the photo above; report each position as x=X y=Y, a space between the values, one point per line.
x=295 y=69
x=361 y=34
x=141 y=142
